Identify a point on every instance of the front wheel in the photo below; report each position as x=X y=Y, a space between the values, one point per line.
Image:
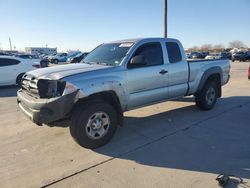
x=93 y=123
x=207 y=97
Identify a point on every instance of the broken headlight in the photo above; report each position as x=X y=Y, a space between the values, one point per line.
x=50 y=88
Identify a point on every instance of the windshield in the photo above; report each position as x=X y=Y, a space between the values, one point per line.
x=110 y=54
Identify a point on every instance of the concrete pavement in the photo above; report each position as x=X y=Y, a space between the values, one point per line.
x=171 y=144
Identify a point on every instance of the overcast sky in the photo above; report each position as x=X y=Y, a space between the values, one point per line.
x=83 y=24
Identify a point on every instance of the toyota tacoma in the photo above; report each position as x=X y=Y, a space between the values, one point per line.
x=116 y=77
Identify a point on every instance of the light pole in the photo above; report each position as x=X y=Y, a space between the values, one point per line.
x=165 y=17
x=10 y=44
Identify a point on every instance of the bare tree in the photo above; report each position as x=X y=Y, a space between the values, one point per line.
x=218 y=47
x=237 y=44
x=206 y=47
x=195 y=48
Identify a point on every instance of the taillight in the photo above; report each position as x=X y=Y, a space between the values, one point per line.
x=36 y=66
x=249 y=73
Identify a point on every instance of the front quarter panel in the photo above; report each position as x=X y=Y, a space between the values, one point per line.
x=100 y=81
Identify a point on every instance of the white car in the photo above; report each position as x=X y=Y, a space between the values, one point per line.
x=31 y=58
x=13 y=68
x=213 y=56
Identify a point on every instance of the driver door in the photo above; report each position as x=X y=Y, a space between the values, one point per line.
x=147 y=83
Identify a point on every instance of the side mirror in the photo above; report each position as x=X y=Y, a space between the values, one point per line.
x=137 y=61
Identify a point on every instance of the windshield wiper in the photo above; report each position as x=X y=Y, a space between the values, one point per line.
x=95 y=63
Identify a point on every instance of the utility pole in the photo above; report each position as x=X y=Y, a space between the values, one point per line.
x=10 y=44
x=165 y=18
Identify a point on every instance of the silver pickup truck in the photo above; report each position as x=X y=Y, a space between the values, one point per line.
x=116 y=77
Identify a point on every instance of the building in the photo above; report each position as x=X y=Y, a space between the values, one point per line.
x=38 y=50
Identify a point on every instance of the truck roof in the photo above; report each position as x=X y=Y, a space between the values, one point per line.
x=142 y=39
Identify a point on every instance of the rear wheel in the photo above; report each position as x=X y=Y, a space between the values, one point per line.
x=93 y=124
x=207 y=97
x=44 y=64
x=56 y=61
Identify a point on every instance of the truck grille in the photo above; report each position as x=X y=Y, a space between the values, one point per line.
x=29 y=85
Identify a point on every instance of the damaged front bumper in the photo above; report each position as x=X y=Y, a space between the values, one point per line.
x=45 y=110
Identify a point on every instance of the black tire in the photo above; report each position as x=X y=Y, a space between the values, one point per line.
x=207 y=97
x=43 y=64
x=19 y=79
x=56 y=61
x=83 y=114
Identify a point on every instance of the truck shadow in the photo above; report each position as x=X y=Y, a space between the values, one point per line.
x=8 y=91
x=188 y=139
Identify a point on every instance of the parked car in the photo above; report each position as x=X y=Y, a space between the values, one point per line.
x=2 y=53
x=203 y=54
x=196 y=55
x=117 y=77
x=241 y=56
x=33 y=58
x=214 y=56
x=62 y=57
x=13 y=68
x=44 y=62
x=226 y=55
x=78 y=58
x=188 y=55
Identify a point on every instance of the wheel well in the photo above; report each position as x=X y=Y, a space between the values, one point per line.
x=217 y=79
x=18 y=77
x=108 y=96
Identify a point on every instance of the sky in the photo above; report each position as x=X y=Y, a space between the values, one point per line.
x=83 y=24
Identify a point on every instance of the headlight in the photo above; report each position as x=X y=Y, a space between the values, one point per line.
x=50 y=88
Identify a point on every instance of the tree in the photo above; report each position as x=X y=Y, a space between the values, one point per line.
x=218 y=47
x=237 y=44
x=206 y=47
x=194 y=48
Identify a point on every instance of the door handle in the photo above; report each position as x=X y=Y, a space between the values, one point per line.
x=163 y=71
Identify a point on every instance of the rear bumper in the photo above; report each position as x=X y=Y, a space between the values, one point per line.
x=45 y=110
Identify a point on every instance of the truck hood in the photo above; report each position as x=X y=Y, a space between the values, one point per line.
x=60 y=71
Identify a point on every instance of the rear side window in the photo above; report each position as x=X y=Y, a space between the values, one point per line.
x=152 y=53
x=25 y=56
x=8 y=62
x=174 y=53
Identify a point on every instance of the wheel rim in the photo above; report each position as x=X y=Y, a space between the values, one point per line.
x=98 y=125
x=210 y=96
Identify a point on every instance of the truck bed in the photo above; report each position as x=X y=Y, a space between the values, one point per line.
x=202 y=60
x=197 y=68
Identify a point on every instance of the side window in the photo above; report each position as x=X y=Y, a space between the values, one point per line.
x=151 y=54
x=8 y=62
x=174 y=53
